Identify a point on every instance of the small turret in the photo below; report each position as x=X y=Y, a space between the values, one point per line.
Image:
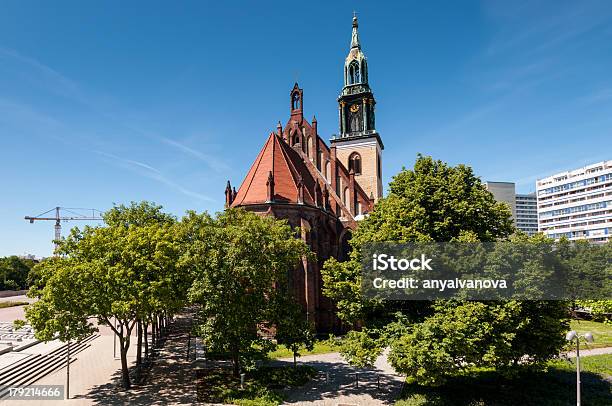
x=229 y=195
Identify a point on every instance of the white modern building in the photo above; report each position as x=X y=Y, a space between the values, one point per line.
x=527 y=213
x=577 y=204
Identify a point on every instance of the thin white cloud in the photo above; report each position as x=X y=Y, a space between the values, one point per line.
x=50 y=78
x=214 y=163
x=155 y=174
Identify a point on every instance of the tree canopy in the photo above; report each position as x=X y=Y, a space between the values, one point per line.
x=432 y=340
x=241 y=264
x=120 y=273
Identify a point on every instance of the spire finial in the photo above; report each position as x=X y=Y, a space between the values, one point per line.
x=355 y=36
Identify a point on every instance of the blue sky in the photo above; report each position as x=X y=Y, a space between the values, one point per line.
x=109 y=102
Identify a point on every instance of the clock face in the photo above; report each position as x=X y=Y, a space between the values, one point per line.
x=354 y=108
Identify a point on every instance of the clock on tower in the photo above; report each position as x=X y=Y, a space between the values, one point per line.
x=358 y=140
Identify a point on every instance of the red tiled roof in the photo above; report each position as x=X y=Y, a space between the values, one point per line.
x=287 y=167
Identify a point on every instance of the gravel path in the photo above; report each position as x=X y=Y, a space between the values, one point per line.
x=342 y=388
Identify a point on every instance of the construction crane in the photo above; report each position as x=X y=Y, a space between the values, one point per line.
x=73 y=214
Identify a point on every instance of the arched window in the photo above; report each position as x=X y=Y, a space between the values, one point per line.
x=308 y=146
x=295 y=101
x=355 y=163
x=296 y=139
x=327 y=171
x=347 y=198
x=354 y=73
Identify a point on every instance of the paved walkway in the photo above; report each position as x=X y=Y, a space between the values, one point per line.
x=95 y=374
x=171 y=380
x=584 y=352
x=93 y=366
x=342 y=387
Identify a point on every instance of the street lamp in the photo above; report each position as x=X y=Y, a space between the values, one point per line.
x=588 y=337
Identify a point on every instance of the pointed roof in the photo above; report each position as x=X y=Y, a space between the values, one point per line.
x=355 y=36
x=288 y=170
x=355 y=52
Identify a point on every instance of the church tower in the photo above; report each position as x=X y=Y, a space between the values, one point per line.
x=359 y=146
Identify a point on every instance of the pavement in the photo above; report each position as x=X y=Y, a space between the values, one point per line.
x=19 y=298
x=92 y=366
x=346 y=385
x=95 y=375
x=589 y=352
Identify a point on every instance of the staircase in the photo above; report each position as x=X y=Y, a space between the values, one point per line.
x=28 y=370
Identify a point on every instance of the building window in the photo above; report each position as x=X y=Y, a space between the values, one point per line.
x=355 y=163
x=308 y=146
x=295 y=101
x=347 y=198
x=327 y=171
x=354 y=74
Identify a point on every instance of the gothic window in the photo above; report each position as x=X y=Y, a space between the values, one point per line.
x=355 y=163
x=295 y=101
x=308 y=146
x=354 y=74
x=327 y=171
x=347 y=198
x=355 y=119
x=296 y=139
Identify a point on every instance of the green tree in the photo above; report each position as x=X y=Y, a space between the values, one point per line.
x=432 y=202
x=117 y=273
x=239 y=260
x=462 y=335
x=436 y=202
x=14 y=272
x=360 y=349
x=292 y=328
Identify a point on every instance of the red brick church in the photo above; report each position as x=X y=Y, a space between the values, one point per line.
x=324 y=190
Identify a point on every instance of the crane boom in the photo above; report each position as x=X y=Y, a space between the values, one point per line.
x=96 y=215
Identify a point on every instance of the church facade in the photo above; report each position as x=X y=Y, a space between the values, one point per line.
x=321 y=190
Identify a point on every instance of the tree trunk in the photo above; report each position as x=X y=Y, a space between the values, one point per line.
x=153 y=332
x=125 y=376
x=294 y=360
x=146 y=340
x=236 y=360
x=139 y=343
x=236 y=364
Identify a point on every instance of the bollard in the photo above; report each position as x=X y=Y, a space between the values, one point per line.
x=327 y=377
x=356 y=379
x=378 y=381
x=241 y=381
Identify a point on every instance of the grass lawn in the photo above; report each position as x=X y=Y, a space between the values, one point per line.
x=602 y=332
x=555 y=387
x=320 y=347
x=11 y=304
x=261 y=387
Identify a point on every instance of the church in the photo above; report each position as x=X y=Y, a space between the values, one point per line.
x=321 y=190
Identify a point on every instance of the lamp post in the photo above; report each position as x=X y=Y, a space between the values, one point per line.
x=588 y=337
